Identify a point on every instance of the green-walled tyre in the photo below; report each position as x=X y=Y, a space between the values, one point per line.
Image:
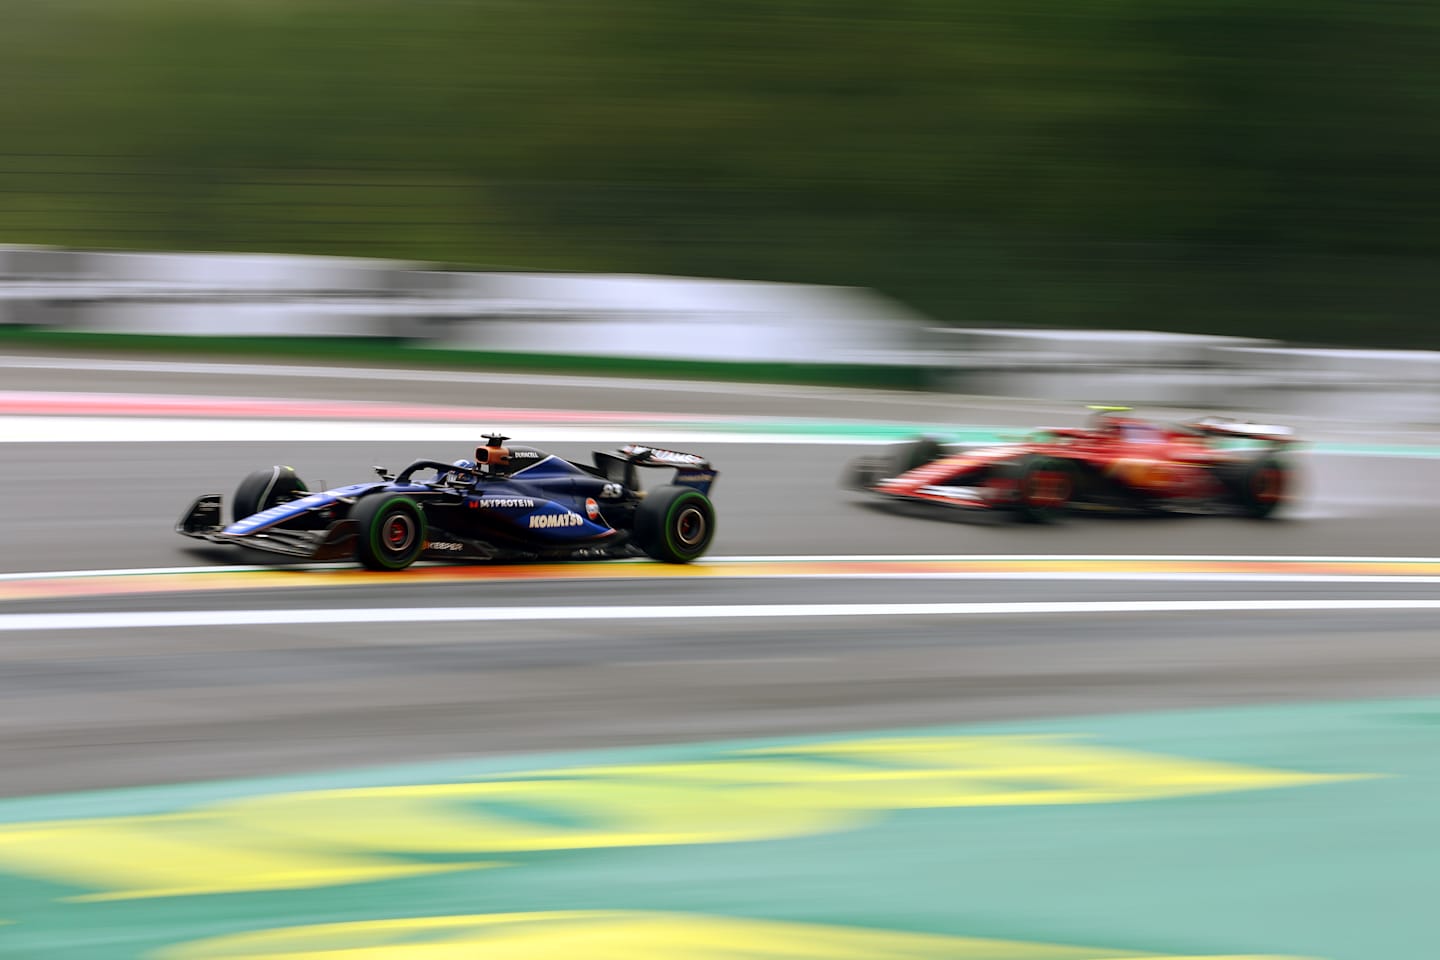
x=392 y=531
x=675 y=524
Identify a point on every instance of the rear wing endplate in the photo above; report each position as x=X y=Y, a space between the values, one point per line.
x=1243 y=429
x=691 y=469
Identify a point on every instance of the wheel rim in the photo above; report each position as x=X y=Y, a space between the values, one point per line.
x=1269 y=485
x=398 y=533
x=1048 y=488
x=690 y=526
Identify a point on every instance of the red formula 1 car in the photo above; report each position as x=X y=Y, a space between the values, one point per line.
x=1211 y=465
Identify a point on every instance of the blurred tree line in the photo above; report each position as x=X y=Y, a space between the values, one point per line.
x=1257 y=167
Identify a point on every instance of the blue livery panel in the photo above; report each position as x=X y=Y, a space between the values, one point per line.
x=698 y=479
x=536 y=517
x=279 y=514
x=554 y=522
x=288 y=511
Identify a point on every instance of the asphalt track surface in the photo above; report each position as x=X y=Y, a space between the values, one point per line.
x=83 y=708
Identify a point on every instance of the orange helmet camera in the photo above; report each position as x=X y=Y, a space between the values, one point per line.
x=494 y=454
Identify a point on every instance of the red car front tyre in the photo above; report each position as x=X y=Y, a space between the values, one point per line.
x=1044 y=488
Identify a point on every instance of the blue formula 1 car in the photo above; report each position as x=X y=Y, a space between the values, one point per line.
x=509 y=503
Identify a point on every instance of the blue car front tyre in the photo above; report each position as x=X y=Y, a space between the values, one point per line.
x=263 y=489
x=392 y=531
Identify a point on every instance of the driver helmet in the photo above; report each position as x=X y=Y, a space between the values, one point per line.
x=1106 y=420
x=463 y=468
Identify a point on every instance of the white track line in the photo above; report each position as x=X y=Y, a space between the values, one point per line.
x=941 y=401
x=845 y=558
x=1065 y=558
x=163 y=571
x=1089 y=575
x=125 y=620
x=28 y=428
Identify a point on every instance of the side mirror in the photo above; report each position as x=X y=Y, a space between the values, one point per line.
x=382 y=473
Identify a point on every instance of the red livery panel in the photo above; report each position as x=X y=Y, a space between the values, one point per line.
x=1211 y=465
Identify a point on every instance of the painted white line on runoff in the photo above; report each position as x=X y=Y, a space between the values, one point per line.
x=1063 y=558
x=944 y=401
x=26 y=428
x=163 y=571
x=1053 y=576
x=948 y=402
x=847 y=558
x=383 y=374
x=1094 y=575
x=127 y=620
x=46 y=429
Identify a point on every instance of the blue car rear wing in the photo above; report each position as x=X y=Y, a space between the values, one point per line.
x=691 y=469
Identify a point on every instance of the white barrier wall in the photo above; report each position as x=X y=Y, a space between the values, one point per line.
x=240 y=272
x=1223 y=373
x=1100 y=366
x=684 y=318
x=1396 y=385
x=676 y=318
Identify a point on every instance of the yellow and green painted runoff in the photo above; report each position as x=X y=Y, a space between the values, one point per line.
x=1302 y=831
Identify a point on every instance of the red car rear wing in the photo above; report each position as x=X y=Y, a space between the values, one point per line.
x=1242 y=429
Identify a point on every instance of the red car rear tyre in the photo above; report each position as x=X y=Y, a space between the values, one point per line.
x=1258 y=487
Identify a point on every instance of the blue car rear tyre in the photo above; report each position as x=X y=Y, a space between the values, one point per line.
x=675 y=524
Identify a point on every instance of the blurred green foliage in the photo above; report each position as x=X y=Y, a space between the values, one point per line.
x=1259 y=167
